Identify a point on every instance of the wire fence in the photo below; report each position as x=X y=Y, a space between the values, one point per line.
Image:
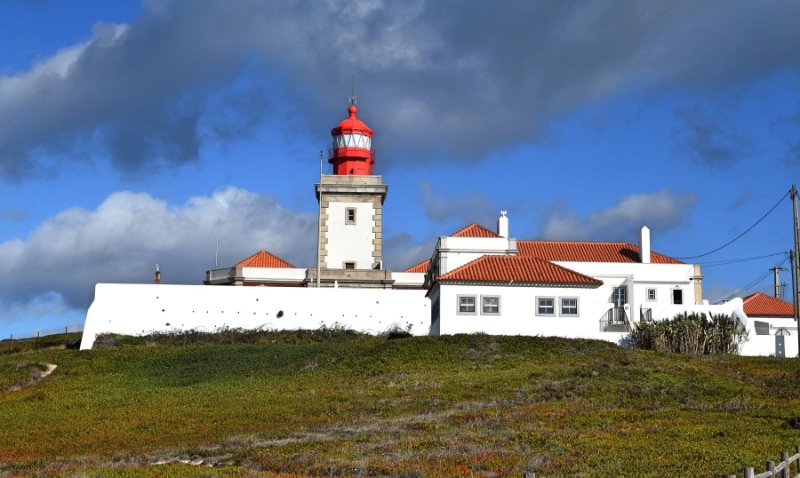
x=65 y=329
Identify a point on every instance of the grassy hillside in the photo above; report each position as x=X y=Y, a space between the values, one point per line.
x=332 y=403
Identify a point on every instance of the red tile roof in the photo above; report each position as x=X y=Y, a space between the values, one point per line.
x=474 y=230
x=519 y=269
x=263 y=258
x=569 y=251
x=421 y=267
x=762 y=305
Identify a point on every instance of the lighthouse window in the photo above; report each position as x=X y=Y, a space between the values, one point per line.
x=352 y=141
x=350 y=215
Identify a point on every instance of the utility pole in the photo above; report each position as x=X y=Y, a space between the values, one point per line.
x=796 y=267
x=777 y=272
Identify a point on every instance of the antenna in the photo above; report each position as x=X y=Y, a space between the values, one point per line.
x=216 y=256
x=353 y=98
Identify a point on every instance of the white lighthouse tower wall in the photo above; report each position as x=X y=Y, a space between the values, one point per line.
x=350 y=241
x=139 y=309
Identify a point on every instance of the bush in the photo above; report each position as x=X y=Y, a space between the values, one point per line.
x=691 y=334
x=397 y=332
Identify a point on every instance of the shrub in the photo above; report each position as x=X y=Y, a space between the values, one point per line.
x=397 y=332
x=691 y=334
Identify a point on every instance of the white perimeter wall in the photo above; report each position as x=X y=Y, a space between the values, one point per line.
x=350 y=242
x=136 y=309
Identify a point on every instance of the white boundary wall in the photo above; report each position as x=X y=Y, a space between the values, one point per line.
x=137 y=309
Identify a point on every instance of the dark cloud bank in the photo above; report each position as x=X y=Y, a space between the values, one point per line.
x=447 y=77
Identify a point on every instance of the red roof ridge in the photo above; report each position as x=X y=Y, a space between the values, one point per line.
x=474 y=230
x=263 y=258
x=421 y=267
x=521 y=269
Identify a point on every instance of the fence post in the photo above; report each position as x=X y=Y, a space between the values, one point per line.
x=37 y=340
x=748 y=472
x=785 y=459
x=797 y=450
x=771 y=468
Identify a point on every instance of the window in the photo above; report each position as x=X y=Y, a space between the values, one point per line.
x=350 y=215
x=569 y=306
x=651 y=295
x=620 y=297
x=349 y=265
x=490 y=305
x=466 y=304
x=545 y=306
x=677 y=296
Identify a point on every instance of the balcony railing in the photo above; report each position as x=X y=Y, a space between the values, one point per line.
x=615 y=320
x=646 y=314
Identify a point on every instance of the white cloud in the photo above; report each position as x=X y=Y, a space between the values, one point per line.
x=123 y=239
x=661 y=211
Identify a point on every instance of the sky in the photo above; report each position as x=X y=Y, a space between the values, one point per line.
x=188 y=133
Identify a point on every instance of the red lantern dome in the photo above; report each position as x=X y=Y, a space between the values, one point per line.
x=352 y=146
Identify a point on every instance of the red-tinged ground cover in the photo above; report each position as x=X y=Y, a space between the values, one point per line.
x=336 y=403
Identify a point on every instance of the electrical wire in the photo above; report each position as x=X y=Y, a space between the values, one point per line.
x=743 y=233
x=751 y=284
x=725 y=262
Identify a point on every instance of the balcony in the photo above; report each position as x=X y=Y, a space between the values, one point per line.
x=615 y=320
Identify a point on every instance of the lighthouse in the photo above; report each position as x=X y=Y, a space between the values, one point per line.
x=352 y=146
x=351 y=197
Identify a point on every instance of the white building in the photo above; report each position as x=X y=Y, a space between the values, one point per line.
x=484 y=281
x=773 y=329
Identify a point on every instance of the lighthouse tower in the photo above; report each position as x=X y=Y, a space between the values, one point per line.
x=351 y=201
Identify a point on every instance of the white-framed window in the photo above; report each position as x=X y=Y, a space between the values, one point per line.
x=569 y=306
x=651 y=295
x=490 y=305
x=350 y=215
x=546 y=306
x=349 y=265
x=466 y=304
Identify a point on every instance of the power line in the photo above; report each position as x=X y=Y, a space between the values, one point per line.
x=725 y=262
x=743 y=233
x=752 y=283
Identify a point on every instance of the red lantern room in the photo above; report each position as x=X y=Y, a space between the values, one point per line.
x=352 y=146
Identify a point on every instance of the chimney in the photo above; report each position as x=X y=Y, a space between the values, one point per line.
x=502 y=224
x=644 y=245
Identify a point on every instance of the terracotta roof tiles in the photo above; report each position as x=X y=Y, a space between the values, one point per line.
x=519 y=269
x=569 y=251
x=421 y=267
x=474 y=230
x=263 y=258
x=762 y=305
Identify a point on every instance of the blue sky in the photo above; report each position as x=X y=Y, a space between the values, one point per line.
x=140 y=132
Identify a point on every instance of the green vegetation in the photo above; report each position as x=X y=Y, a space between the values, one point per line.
x=337 y=403
x=689 y=334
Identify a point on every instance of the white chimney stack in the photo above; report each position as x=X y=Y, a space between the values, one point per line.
x=644 y=245
x=502 y=224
